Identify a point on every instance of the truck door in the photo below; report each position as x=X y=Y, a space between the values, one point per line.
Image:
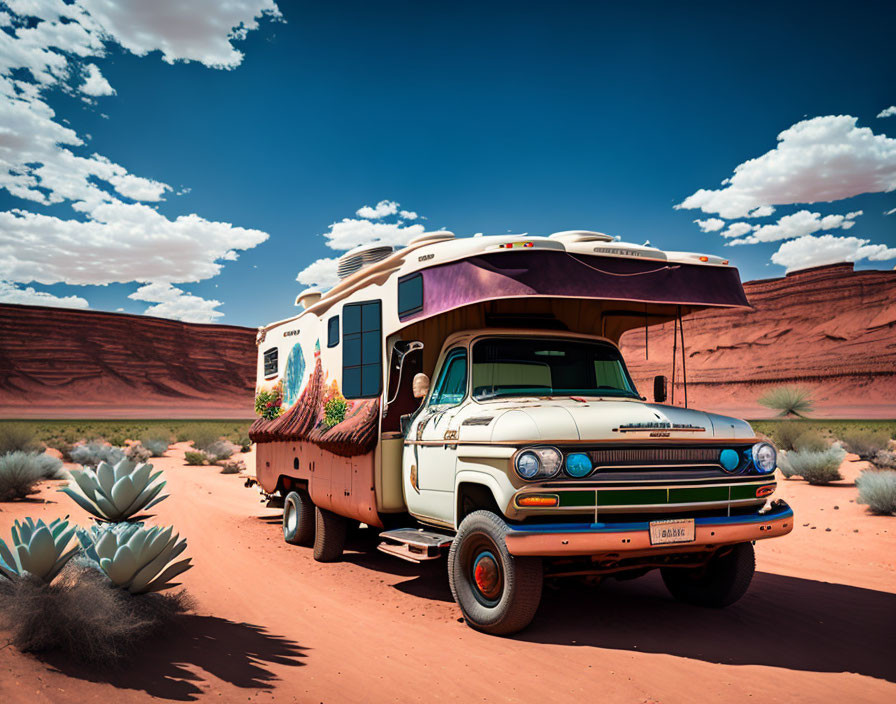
x=434 y=454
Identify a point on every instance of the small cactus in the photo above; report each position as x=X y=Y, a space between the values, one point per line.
x=116 y=493
x=37 y=550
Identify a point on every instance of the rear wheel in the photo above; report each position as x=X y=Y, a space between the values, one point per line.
x=329 y=535
x=721 y=582
x=298 y=518
x=497 y=592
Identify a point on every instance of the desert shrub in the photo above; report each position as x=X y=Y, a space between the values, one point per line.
x=17 y=437
x=815 y=467
x=82 y=616
x=194 y=458
x=204 y=436
x=810 y=441
x=156 y=446
x=866 y=443
x=21 y=471
x=885 y=459
x=788 y=400
x=63 y=446
x=232 y=466
x=878 y=491
x=218 y=451
x=245 y=443
x=91 y=454
x=135 y=452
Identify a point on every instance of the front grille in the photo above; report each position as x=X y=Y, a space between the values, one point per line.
x=647 y=456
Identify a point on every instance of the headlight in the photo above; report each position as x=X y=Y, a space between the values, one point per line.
x=578 y=465
x=538 y=463
x=765 y=457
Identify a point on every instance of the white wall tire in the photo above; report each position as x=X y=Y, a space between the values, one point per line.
x=298 y=518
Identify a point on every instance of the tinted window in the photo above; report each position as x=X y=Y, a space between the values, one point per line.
x=270 y=362
x=452 y=385
x=362 y=368
x=410 y=295
x=333 y=331
x=548 y=367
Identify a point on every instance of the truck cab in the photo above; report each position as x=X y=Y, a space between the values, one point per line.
x=471 y=401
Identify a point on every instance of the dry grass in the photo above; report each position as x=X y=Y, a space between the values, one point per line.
x=20 y=472
x=82 y=616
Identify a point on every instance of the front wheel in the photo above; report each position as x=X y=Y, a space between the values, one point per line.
x=497 y=592
x=721 y=582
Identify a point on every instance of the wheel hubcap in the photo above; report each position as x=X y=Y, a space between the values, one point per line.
x=487 y=577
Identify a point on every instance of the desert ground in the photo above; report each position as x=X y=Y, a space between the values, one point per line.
x=273 y=625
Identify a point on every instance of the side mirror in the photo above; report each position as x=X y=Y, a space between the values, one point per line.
x=420 y=385
x=659 y=388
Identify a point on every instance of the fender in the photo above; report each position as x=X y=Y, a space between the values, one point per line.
x=485 y=476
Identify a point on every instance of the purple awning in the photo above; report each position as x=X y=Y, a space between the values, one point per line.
x=563 y=274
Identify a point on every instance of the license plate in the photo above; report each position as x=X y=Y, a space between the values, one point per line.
x=674 y=531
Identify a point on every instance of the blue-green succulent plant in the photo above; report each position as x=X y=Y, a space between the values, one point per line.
x=116 y=493
x=135 y=558
x=38 y=550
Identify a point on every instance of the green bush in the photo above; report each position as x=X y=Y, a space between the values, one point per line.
x=156 y=446
x=218 y=451
x=20 y=473
x=866 y=443
x=91 y=454
x=334 y=411
x=203 y=437
x=885 y=459
x=811 y=441
x=815 y=467
x=791 y=435
x=245 y=443
x=195 y=459
x=135 y=452
x=878 y=491
x=788 y=400
x=232 y=466
x=17 y=437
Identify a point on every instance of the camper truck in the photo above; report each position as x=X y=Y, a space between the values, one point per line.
x=467 y=398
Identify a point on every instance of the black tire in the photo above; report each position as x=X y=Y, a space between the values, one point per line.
x=298 y=518
x=724 y=580
x=329 y=535
x=497 y=592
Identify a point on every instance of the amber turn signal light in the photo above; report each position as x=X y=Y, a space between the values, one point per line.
x=538 y=500
x=766 y=490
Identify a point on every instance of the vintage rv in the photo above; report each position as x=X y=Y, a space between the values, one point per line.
x=468 y=396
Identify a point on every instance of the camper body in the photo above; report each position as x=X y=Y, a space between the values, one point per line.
x=529 y=453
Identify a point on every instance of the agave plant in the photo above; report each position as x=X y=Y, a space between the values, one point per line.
x=116 y=493
x=134 y=557
x=37 y=550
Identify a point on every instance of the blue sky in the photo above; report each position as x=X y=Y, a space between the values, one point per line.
x=480 y=117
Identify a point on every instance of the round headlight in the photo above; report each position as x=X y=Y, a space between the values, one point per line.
x=729 y=459
x=765 y=457
x=578 y=465
x=538 y=463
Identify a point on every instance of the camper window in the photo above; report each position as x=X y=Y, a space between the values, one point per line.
x=333 y=331
x=410 y=295
x=362 y=349
x=270 y=362
x=451 y=388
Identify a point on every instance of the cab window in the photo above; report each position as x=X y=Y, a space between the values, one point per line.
x=452 y=385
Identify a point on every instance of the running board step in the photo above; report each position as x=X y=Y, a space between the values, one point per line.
x=414 y=545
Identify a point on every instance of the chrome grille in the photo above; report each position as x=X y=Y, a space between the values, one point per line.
x=646 y=456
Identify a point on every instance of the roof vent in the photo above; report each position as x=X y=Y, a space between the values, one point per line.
x=308 y=297
x=360 y=257
x=580 y=236
x=430 y=237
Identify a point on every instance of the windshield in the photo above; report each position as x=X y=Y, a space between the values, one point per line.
x=548 y=367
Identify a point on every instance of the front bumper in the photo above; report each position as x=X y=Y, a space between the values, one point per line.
x=571 y=539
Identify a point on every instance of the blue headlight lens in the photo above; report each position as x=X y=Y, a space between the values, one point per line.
x=527 y=465
x=578 y=465
x=729 y=459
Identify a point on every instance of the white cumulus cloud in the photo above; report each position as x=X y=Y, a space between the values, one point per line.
x=888 y=112
x=321 y=273
x=118 y=237
x=814 y=250
x=10 y=293
x=380 y=210
x=736 y=229
x=795 y=225
x=824 y=158
x=172 y=302
x=710 y=224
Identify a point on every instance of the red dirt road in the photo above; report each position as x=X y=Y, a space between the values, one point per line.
x=271 y=625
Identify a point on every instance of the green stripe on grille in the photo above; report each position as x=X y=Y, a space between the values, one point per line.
x=576 y=498
x=631 y=497
x=709 y=493
x=647 y=496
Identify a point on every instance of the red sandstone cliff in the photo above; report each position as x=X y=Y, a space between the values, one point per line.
x=829 y=328
x=63 y=363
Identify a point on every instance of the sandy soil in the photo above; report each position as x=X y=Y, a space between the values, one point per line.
x=272 y=625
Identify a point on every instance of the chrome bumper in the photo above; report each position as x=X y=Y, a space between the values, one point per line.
x=568 y=539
